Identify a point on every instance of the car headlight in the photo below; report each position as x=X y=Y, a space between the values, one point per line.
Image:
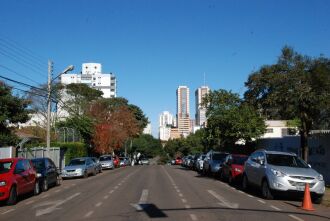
x=278 y=173
x=320 y=177
x=79 y=170
x=3 y=183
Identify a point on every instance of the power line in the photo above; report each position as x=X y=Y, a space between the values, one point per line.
x=13 y=71
x=23 y=84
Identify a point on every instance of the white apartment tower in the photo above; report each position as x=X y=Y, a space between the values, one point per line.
x=200 y=115
x=165 y=124
x=91 y=74
x=183 y=110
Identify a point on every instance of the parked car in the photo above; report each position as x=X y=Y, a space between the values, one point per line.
x=212 y=162
x=106 y=162
x=97 y=165
x=144 y=161
x=17 y=177
x=178 y=161
x=124 y=161
x=48 y=175
x=280 y=172
x=199 y=163
x=116 y=161
x=232 y=168
x=79 y=167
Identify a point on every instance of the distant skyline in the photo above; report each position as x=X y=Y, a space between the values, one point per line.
x=153 y=46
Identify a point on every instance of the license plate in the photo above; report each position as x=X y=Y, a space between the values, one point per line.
x=300 y=188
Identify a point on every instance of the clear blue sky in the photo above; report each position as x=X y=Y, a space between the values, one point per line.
x=153 y=46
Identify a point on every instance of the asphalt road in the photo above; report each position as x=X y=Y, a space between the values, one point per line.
x=154 y=193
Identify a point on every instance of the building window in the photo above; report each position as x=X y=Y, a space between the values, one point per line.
x=269 y=130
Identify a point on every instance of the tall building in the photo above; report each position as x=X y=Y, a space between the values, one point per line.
x=91 y=74
x=147 y=130
x=165 y=124
x=200 y=115
x=183 y=110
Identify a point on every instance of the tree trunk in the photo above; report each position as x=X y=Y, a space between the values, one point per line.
x=304 y=144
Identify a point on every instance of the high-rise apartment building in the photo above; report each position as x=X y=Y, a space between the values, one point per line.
x=165 y=124
x=200 y=115
x=183 y=110
x=91 y=75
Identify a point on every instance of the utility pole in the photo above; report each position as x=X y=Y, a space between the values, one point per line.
x=49 y=89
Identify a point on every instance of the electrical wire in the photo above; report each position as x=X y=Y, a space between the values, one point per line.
x=15 y=72
x=23 y=84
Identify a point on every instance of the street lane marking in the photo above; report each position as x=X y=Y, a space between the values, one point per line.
x=111 y=191
x=250 y=196
x=98 y=204
x=73 y=184
x=28 y=203
x=275 y=208
x=178 y=191
x=56 y=191
x=106 y=197
x=8 y=211
x=193 y=217
x=296 y=218
x=261 y=201
x=55 y=205
x=116 y=187
x=44 y=196
x=187 y=206
x=184 y=200
x=89 y=214
x=240 y=191
x=223 y=201
x=180 y=195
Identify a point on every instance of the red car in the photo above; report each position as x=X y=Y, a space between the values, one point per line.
x=116 y=161
x=233 y=167
x=17 y=177
x=178 y=161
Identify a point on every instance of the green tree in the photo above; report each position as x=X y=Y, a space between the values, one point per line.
x=230 y=119
x=147 y=145
x=296 y=87
x=13 y=110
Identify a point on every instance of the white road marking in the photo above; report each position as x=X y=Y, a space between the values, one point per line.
x=275 y=208
x=28 y=203
x=250 y=196
x=56 y=191
x=55 y=205
x=261 y=201
x=184 y=200
x=240 y=191
x=119 y=184
x=180 y=195
x=44 y=196
x=89 y=214
x=193 y=217
x=178 y=191
x=106 y=197
x=296 y=218
x=116 y=187
x=8 y=211
x=98 y=204
x=187 y=206
x=111 y=191
x=223 y=201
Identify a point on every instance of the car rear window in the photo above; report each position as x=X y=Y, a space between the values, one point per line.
x=105 y=158
x=239 y=160
x=219 y=156
x=5 y=167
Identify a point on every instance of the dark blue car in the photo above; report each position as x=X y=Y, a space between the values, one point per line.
x=48 y=174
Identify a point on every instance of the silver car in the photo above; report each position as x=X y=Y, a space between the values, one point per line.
x=106 y=162
x=79 y=167
x=280 y=172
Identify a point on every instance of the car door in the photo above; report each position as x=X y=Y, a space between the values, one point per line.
x=260 y=168
x=20 y=177
x=90 y=165
x=31 y=175
x=250 y=168
x=225 y=166
x=51 y=171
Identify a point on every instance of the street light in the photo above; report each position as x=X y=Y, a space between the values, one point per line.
x=50 y=81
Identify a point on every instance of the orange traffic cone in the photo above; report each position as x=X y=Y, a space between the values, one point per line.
x=307 y=202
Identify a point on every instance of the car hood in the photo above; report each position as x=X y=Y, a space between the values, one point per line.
x=74 y=167
x=294 y=171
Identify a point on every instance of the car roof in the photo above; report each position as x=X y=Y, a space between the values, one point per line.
x=239 y=155
x=277 y=152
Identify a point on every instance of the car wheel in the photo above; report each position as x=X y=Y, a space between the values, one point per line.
x=85 y=174
x=12 y=200
x=58 y=180
x=36 y=190
x=44 y=185
x=245 y=182
x=265 y=191
x=230 y=179
x=317 y=200
x=222 y=177
x=94 y=172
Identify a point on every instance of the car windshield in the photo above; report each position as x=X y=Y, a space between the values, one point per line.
x=38 y=164
x=5 y=167
x=76 y=162
x=285 y=160
x=219 y=156
x=239 y=160
x=105 y=158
